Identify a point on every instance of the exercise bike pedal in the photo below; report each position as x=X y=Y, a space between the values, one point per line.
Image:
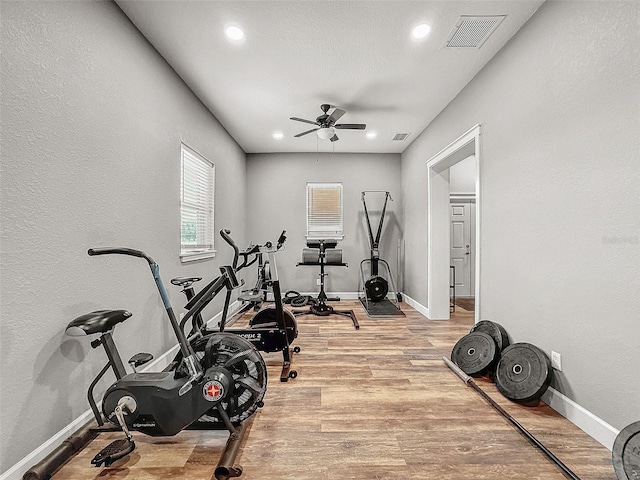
x=114 y=451
x=140 y=359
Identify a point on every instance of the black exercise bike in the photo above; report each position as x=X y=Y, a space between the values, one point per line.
x=272 y=329
x=217 y=381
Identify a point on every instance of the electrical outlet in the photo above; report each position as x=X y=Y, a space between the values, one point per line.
x=556 y=361
x=318 y=282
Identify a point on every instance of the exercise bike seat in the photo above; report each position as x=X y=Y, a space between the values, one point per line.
x=100 y=321
x=185 y=281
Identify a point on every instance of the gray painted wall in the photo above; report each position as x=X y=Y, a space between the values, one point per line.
x=560 y=186
x=276 y=189
x=462 y=177
x=92 y=120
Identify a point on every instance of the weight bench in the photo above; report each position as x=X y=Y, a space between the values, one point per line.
x=324 y=253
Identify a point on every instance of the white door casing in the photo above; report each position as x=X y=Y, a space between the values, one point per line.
x=438 y=220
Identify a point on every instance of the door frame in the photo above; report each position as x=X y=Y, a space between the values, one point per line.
x=439 y=235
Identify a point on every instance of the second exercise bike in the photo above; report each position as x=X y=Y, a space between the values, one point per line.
x=273 y=328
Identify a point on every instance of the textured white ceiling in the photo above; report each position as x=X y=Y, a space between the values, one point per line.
x=357 y=55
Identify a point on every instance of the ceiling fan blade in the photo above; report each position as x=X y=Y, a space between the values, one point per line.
x=351 y=126
x=334 y=138
x=303 y=120
x=308 y=131
x=335 y=116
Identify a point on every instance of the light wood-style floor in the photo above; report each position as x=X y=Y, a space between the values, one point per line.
x=370 y=404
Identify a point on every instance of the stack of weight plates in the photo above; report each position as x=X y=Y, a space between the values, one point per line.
x=478 y=352
x=522 y=372
x=625 y=455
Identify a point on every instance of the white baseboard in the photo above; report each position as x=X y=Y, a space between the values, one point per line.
x=18 y=470
x=343 y=295
x=416 y=305
x=586 y=421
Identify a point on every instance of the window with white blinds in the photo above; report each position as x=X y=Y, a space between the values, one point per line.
x=196 y=205
x=324 y=210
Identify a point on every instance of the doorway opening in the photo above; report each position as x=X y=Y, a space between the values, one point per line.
x=439 y=223
x=463 y=247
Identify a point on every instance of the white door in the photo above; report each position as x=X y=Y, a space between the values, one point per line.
x=461 y=247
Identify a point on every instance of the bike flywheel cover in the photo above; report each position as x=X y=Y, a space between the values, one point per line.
x=248 y=369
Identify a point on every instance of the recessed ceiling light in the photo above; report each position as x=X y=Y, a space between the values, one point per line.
x=372 y=134
x=278 y=135
x=421 y=31
x=234 y=33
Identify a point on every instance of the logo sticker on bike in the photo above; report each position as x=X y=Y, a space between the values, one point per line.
x=212 y=391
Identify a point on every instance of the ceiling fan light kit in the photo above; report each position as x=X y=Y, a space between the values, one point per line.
x=326 y=133
x=326 y=125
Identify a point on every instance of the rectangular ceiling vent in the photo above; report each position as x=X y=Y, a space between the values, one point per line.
x=400 y=136
x=472 y=32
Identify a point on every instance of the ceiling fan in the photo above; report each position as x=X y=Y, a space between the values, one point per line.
x=326 y=124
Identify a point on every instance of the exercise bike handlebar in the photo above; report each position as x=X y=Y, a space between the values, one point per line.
x=120 y=251
x=226 y=236
x=252 y=249
x=246 y=253
x=185 y=348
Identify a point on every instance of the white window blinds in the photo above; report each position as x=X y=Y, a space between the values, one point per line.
x=324 y=210
x=196 y=203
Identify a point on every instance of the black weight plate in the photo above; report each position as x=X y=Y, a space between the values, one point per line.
x=497 y=332
x=523 y=372
x=625 y=455
x=475 y=353
x=377 y=288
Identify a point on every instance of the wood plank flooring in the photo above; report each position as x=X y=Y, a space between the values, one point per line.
x=371 y=404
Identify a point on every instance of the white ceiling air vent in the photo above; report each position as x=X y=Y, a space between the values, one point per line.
x=400 y=136
x=472 y=32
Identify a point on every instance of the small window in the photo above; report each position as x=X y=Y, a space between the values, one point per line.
x=196 y=206
x=324 y=210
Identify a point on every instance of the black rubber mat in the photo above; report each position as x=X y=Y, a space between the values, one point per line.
x=383 y=308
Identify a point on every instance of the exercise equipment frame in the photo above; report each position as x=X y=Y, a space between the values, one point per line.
x=321 y=308
x=376 y=288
